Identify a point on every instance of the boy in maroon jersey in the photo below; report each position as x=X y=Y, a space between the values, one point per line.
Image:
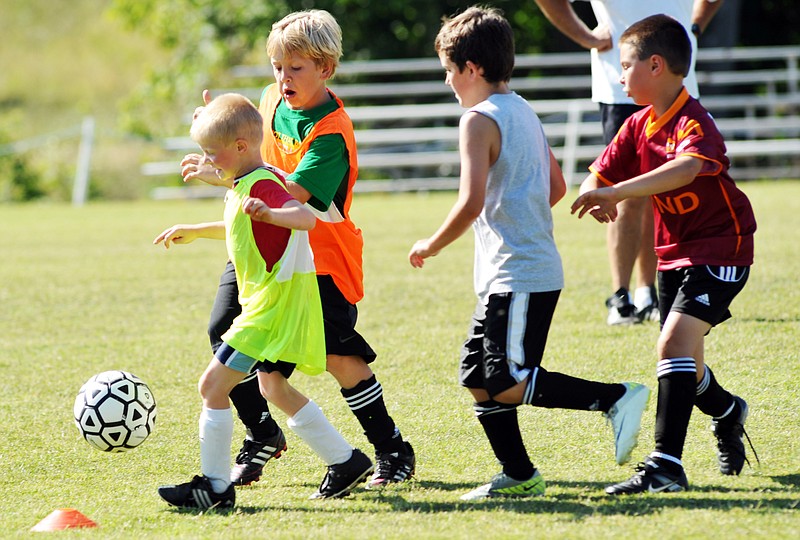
x=704 y=225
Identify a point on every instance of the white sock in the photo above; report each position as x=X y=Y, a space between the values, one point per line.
x=216 y=432
x=311 y=425
x=642 y=298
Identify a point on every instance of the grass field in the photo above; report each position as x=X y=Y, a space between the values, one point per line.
x=84 y=291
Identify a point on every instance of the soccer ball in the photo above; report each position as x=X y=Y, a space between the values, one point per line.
x=115 y=411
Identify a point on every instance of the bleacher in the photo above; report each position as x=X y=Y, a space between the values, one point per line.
x=406 y=117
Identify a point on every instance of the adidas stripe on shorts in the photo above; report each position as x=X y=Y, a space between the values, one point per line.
x=702 y=291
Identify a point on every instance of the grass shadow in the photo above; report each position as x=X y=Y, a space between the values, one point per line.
x=581 y=500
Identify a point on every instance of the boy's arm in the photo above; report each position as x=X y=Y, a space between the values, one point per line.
x=292 y=215
x=703 y=11
x=563 y=17
x=185 y=234
x=558 y=186
x=602 y=202
x=298 y=192
x=479 y=146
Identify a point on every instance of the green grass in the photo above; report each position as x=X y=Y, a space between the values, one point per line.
x=84 y=291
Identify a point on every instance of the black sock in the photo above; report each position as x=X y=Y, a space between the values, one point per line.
x=559 y=391
x=499 y=422
x=677 y=387
x=253 y=410
x=712 y=399
x=366 y=402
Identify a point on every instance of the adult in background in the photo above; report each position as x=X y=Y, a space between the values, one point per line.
x=630 y=238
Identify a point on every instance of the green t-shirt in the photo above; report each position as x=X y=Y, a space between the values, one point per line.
x=324 y=168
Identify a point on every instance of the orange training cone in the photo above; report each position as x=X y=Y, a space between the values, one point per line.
x=63 y=518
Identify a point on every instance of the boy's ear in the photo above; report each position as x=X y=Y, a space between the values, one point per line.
x=241 y=145
x=657 y=64
x=327 y=70
x=474 y=68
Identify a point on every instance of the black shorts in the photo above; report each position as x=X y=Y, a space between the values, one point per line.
x=340 y=317
x=702 y=291
x=612 y=116
x=506 y=340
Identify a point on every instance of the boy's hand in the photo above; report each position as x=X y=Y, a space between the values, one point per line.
x=257 y=209
x=420 y=252
x=194 y=167
x=177 y=234
x=206 y=101
x=600 y=203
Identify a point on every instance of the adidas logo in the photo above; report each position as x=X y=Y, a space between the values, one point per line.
x=703 y=299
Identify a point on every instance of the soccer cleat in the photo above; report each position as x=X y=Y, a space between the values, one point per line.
x=626 y=418
x=646 y=304
x=620 y=309
x=652 y=477
x=342 y=477
x=254 y=455
x=393 y=467
x=730 y=443
x=503 y=485
x=198 y=494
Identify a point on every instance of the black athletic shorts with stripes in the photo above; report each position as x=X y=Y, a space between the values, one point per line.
x=506 y=340
x=702 y=291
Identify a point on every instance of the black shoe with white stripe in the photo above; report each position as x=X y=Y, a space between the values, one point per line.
x=254 y=455
x=652 y=476
x=198 y=494
x=393 y=467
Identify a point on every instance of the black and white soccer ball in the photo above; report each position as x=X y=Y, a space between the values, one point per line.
x=115 y=411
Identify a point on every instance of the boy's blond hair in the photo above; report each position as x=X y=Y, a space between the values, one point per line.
x=314 y=34
x=227 y=118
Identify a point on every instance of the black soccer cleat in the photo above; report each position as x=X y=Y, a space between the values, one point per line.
x=198 y=494
x=730 y=441
x=652 y=476
x=254 y=455
x=342 y=477
x=393 y=467
x=620 y=309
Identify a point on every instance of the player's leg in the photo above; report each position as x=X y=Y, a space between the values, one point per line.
x=264 y=439
x=518 y=476
x=213 y=488
x=347 y=466
x=623 y=238
x=516 y=330
x=679 y=349
x=645 y=297
x=622 y=241
x=728 y=412
x=348 y=359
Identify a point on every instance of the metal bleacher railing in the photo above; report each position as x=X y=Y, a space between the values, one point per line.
x=406 y=117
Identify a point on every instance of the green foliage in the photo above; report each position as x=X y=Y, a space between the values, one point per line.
x=206 y=37
x=18 y=181
x=86 y=291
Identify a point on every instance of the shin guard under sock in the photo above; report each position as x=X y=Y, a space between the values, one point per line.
x=253 y=409
x=499 y=422
x=677 y=388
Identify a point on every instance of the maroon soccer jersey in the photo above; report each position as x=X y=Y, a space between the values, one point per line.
x=270 y=239
x=709 y=221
